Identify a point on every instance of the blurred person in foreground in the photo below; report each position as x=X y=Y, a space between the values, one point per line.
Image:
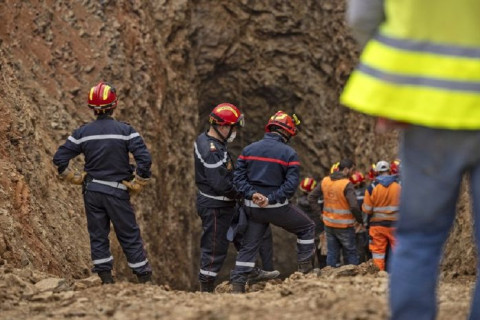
x=419 y=71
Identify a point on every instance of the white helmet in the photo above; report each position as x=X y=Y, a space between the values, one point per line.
x=382 y=166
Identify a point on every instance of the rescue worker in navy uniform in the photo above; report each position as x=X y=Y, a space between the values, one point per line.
x=267 y=175
x=307 y=185
x=217 y=196
x=108 y=180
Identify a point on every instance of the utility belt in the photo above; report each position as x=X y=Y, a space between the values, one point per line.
x=118 y=185
x=112 y=184
x=249 y=203
x=220 y=198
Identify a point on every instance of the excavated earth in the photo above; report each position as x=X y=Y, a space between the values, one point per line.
x=171 y=62
x=348 y=292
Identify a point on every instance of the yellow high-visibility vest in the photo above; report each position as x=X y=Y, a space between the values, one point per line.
x=423 y=66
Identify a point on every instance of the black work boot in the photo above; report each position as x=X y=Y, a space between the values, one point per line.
x=238 y=287
x=305 y=266
x=144 y=277
x=258 y=275
x=106 y=277
x=207 y=286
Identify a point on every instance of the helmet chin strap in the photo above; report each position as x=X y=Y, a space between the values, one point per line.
x=221 y=135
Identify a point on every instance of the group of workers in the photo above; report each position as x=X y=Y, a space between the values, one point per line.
x=416 y=73
x=236 y=201
x=358 y=218
x=330 y=219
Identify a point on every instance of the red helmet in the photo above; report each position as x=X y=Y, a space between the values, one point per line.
x=372 y=173
x=226 y=114
x=102 y=97
x=395 y=166
x=357 y=177
x=307 y=184
x=284 y=121
x=335 y=167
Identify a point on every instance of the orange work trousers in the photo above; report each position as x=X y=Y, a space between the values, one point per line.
x=380 y=238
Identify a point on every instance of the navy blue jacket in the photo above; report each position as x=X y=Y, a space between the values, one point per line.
x=270 y=167
x=213 y=172
x=106 y=144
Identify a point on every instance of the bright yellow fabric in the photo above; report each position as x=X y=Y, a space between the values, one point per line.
x=385 y=58
x=441 y=22
x=419 y=105
x=453 y=22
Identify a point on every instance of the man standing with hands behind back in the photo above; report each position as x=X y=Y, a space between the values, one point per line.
x=267 y=175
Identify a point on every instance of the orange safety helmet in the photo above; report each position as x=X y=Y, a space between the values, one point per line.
x=357 y=177
x=102 y=97
x=335 y=167
x=372 y=173
x=395 y=166
x=284 y=121
x=226 y=114
x=308 y=184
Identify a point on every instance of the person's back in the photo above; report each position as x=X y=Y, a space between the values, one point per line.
x=381 y=203
x=106 y=142
x=108 y=180
x=267 y=175
x=340 y=212
x=421 y=68
x=272 y=159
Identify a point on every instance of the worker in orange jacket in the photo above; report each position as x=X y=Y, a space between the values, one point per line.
x=381 y=203
x=340 y=212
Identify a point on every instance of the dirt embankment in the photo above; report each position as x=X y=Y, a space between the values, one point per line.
x=345 y=293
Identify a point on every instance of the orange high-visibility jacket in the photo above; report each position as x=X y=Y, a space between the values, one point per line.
x=382 y=203
x=336 y=209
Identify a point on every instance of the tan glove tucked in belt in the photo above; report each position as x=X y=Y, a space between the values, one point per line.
x=72 y=176
x=136 y=185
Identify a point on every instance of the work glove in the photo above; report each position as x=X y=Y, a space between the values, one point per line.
x=72 y=177
x=136 y=185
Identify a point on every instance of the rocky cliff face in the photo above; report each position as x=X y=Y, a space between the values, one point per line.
x=171 y=62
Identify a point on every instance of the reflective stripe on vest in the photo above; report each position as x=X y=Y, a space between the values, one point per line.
x=335 y=222
x=386 y=209
x=384 y=216
x=419 y=66
x=385 y=213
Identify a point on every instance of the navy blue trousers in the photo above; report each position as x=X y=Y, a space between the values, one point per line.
x=265 y=251
x=101 y=209
x=288 y=217
x=213 y=243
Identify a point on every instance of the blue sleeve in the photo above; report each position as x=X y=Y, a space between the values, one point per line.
x=219 y=178
x=66 y=152
x=142 y=156
x=290 y=184
x=240 y=179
